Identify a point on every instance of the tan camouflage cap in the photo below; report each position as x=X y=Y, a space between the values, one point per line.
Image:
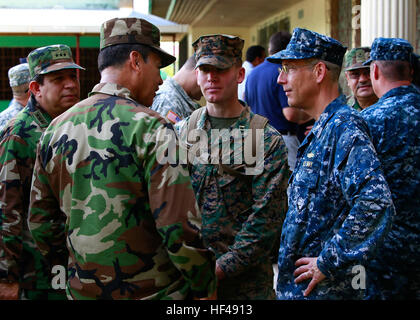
x=356 y=57
x=51 y=58
x=134 y=31
x=219 y=50
x=19 y=75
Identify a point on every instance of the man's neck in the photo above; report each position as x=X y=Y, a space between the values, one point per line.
x=387 y=86
x=227 y=110
x=21 y=100
x=366 y=102
x=321 y=102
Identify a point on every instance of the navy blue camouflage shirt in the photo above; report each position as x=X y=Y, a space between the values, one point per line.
x=340 y=206
x=394 y=123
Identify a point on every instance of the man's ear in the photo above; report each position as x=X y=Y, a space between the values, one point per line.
x=136 y=60
x=375 y=71
x=320 y=71
x=241 y=75
x=34 y=87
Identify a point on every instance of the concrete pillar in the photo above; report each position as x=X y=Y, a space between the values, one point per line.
x=389 y=19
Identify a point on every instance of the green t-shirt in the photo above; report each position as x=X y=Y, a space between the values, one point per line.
x=222 y=123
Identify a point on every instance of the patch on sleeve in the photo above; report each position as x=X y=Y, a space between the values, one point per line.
x=173 y=117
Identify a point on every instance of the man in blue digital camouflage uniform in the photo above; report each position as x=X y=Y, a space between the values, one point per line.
x=340 y=206
x=394 y=122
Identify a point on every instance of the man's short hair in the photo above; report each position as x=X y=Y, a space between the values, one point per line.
x=395 y=70
x=279 y=41
x=254 y=52
x=117 y=55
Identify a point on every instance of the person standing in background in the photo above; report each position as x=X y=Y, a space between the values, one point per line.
x=255 y=55
x=358 y=79
x=19 y=79
x=394 y=122
x=54 y=88
x=176 y=97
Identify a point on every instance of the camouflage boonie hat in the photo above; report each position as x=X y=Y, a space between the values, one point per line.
x=133 y=31
x=306 y=44
x=19 y=75
x=51 y=58
x=391 y=49
x=355 y=58
x=219 y=50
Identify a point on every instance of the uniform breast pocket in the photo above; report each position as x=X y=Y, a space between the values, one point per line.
x=304 y=186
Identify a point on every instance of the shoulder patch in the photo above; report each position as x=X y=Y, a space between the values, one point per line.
x=173 y=117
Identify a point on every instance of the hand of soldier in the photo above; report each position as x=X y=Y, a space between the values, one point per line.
x=308 y=270
x=9 y=291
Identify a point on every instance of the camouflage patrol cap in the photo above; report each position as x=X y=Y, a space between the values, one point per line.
x=355 y=58
x=391 y=49
x=51 y=58
x=306 y=44
x=219 y=50
x=133 y=31
x=19 y=75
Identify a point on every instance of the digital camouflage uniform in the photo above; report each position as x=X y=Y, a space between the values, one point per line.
x=394 y=122
x=20 y=260
x=173 y=102
x=129 y=220
x=242 y=215
x=18 y=77
x=340 y=206
x=353 y=60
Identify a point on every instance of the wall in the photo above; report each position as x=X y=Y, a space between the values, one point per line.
x=308 y=14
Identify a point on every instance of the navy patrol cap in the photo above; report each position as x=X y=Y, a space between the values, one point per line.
x=391 y=49
x=306 y=44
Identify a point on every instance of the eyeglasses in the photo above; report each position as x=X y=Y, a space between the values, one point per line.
x=355 y=74
x=287 y=68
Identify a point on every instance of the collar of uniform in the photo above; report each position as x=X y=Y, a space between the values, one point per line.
x=398 y=91
x=112 y=89
x=329 y=111
x=242 y=123
x=41 y=117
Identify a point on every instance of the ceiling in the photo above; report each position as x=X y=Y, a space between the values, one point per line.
x=221 y=13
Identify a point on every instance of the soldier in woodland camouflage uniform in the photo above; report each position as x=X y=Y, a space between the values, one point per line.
x=19 y=78
x=242 y=212
x=358 y=79
x=54 y=89
x=394 y=122
x=175 y=97
x=340 y=206
x=132 y=227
